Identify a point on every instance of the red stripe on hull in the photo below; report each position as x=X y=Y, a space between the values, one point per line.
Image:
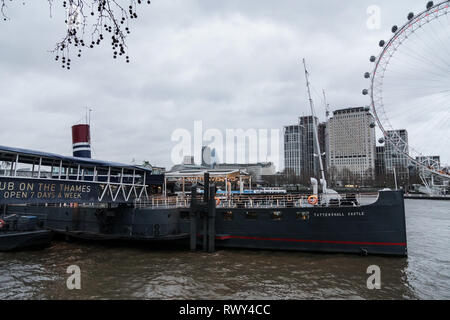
x=313 y=241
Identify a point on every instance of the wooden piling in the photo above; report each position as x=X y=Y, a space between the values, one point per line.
x=205 y=216
x=212 y=219
x=4 y=211
x=193 y=216
x=205 y=231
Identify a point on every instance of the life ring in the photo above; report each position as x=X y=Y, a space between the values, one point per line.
x=313 y=200
x=2 y=223
x=217 y=201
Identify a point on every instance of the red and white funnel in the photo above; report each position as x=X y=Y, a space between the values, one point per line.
x=81 y=141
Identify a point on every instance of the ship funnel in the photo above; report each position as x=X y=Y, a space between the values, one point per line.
x=81 y=141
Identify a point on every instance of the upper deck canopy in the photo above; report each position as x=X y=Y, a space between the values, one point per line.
x=40 y=177
x=9 y=154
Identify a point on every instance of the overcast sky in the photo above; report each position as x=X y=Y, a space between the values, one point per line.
x=231 y=63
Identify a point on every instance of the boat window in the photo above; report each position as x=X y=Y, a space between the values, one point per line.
x=276 y=215
x=251 y=215
x=228 y=216
x=303 y=216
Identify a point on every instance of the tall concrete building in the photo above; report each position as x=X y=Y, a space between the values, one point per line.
x=209 y=158
x=380 y=165
x=292 y=147
x=351 y=145
x=308 y=161
x=395 y=148
x=300 y=149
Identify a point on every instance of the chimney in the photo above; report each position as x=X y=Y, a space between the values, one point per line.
x=81 y=141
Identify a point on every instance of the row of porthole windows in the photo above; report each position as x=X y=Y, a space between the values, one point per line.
x=273 y=215
x=253 y=215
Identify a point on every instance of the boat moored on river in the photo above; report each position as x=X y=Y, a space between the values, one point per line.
x=93 y=199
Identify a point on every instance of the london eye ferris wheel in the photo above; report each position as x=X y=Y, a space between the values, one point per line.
x=410 y=89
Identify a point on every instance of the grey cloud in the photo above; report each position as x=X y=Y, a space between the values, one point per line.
x=233 y=64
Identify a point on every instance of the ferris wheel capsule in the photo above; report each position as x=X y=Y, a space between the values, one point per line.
x=373 y=59
x=430 y=4
x=365 y=92
x=367 y=75
x=382 y=43
x=394 y=29
x=410 y=16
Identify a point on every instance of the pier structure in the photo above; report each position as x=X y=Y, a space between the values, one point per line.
x=220 y=177
x=203 y=212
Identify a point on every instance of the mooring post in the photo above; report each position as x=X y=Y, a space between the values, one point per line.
x=193 y=216
x=206 y=188
x=206 y=197
x=205 y=231
x=212 y=219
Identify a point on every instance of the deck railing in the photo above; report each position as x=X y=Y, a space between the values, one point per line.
x=253 y=201
x=162 y=202
x=261 y=201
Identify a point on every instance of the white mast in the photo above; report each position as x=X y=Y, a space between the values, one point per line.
x=316 y=131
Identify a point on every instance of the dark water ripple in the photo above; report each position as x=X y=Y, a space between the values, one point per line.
x=118 y=272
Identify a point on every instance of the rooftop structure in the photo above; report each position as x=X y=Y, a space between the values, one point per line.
x=256 y=170
x=218 y=176
x=41 y=177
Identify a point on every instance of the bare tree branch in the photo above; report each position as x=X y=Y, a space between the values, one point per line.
x=92 y=19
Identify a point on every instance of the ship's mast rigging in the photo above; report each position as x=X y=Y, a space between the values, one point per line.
x=315 y=127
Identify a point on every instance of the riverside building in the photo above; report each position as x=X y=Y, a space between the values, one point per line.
x=300 y=154
x=351 y=145
x=396 y=154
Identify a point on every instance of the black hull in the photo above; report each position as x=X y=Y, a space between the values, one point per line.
x=374 y=229
x=378 y=228
x=91 y=236
x=17 y=240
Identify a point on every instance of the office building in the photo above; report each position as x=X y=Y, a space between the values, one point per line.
x=396 y=151
x=300 y=155
x=351 y=145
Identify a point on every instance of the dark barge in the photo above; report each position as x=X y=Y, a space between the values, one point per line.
x=16 y=240
x=93 y=199
x=19 y=232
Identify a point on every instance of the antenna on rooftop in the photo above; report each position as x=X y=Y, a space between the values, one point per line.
x=327 y=106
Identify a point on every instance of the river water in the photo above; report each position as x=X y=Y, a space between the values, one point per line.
x=126 y=272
